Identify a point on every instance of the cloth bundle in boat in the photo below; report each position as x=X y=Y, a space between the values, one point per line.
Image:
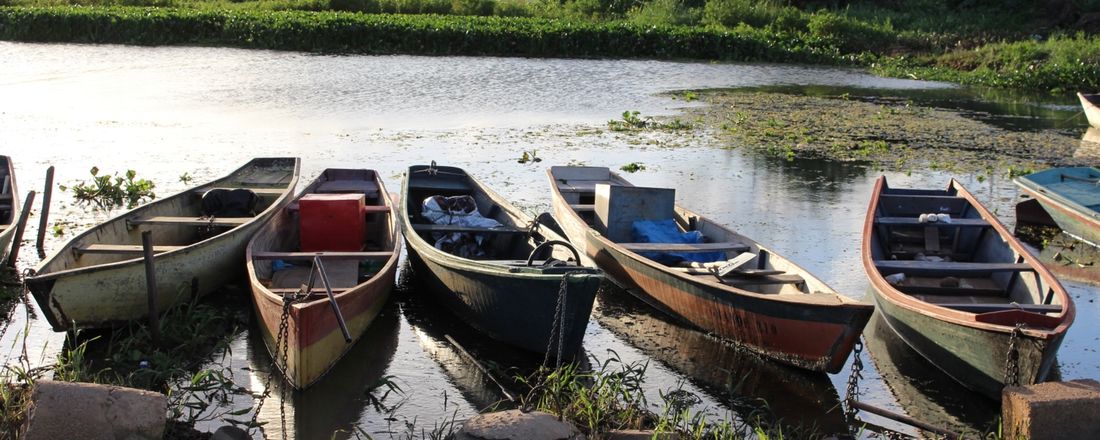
x=666 y=231
x=459 y=211
x=238 y=202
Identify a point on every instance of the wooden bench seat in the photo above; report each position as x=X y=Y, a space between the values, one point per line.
x=946 y=268
x=120 y=249
x=329 y=255
x=913 y=221
x=986 y=308
x=366 y=187
x=316 y=290
x=579 y=186
x=189 y=221
x=763 y=280
x=457 y=228
x=583 y=208
x=438 y=183
x=684 y=247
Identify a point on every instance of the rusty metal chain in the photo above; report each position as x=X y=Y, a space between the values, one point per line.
x=1012 y=357
x=281 y=340
x=852 y=393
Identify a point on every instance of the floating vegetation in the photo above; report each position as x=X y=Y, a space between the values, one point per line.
x=529 y=157
x=634 y=121
x=633 y=167
x=110 y=191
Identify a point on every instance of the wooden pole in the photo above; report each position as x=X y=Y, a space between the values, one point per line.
x=904 y=419
x=22 y=226
x=44 y=215
x=151 y=283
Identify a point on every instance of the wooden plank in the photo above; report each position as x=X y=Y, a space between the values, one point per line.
x=946 y=268
x=377 y=208
x=913 y=221
x=683 y=247
x=456 y=228
x=579 y=186
x=766 y=279
x=916 y=204
x=189 y=221
x=124 y=249
x=332 y=255
x=367 y=187
x=986 y=308
x=438 y=183
x=315 y=291
x=583 y=208
x=932 y=238
x=744 y=273
x=570 y=173
x=259 y=191
x=950 y=291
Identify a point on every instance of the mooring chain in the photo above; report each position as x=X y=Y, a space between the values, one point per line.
x=558 y=326
x=1012 y=357
x=852 y=393
x=281 y=340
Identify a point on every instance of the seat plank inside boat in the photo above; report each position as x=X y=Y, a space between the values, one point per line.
x=189 y=221
x=913 y=221
x=765 y=279
x=381 y=255
x=986 y=308
x=684 y=247
x=263 y=192
x=946 y=268
x=124 y=249
x=456 y=228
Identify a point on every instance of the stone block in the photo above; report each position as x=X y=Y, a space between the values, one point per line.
x=1052 y=410
x=88 y=411
x=516 y=424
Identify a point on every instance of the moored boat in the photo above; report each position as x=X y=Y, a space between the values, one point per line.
x=345 y=219
x=98 y=278
x=1071 y=196
x=489 y=275
x=766 y=303
x=1090 y=104
x=959 y=289
x=10 y=210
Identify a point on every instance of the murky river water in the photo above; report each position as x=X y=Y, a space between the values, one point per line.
x=203 y=111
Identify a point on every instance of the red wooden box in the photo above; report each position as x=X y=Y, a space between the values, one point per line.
x=331 y=222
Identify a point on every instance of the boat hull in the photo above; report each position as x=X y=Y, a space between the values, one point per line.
x=816 y=337
x=1071 y=217
x=500 y=304
x=974 y=357
x=1092 y=112
x=12 y=193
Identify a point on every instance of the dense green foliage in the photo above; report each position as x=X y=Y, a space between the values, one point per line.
x=1011 y=43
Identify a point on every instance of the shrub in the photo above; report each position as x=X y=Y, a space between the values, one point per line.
x=658 y=12
x=730 y=13
x=848 y=34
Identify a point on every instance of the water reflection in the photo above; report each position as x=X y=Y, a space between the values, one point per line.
x=336 y=404
x=922 y=390
x=1064 y=254
x=819 y=180
x=753 y=387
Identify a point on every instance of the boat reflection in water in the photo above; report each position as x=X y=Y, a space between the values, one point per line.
x=922 y=390
x=432 y=324
x=331 y=407
x=753 y=387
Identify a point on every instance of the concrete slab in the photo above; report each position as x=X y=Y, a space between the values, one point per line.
x=1052 y=410
x=89 y=411
x=515 y=424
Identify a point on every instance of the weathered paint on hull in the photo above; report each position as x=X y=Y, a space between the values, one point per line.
x=313 y=350
x=817 y=338
x=1073 y=221
x=512 y=308
x=974 y=357
x=117 y=294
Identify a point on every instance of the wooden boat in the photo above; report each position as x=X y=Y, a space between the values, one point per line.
x=955 y=291
x=504 y=293
x=10 y=209
x=98 y=278
x=1071 y=196
x=774 y=307
x=1090 y=104
x=360 y=279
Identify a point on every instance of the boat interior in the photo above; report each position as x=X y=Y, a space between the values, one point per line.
x=1079 y=185
x=510 y=244
x=960 y=263
x=738 y=261
x=283 y=266
x=7 y=209
x=179 y=220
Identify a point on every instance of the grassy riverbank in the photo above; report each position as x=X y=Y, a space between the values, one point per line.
x=1002 y=44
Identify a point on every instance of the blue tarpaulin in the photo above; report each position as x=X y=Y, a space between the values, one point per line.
x=666 y=231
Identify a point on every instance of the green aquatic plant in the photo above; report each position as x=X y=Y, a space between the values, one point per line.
x=529 y=157
x=110 y=191
x=633 y=167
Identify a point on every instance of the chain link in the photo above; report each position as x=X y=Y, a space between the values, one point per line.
x=852 y=393
x=281 y=340
x=1012 y=357
x=558 y=327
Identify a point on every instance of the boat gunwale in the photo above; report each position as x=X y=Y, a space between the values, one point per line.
x=958 y=317
x=1038 y=190
x=845 y=301
x=425 y=250
x=273 y=207
x=16 y=212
